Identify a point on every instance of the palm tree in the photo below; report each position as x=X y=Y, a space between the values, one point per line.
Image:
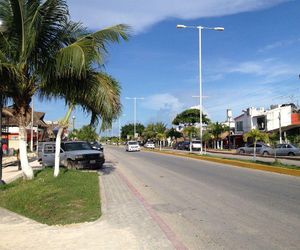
x=216 y=130
x=190 y=131
x=41 y=50
x=100 y=97
x=256 y=135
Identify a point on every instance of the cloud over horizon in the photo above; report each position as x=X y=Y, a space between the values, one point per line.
x=141 y=14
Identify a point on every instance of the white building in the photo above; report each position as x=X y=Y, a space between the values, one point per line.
x=286 y=116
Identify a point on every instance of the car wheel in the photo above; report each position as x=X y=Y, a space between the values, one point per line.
x=242 y=151
x=291 y=154
x=71 y=164
x=265 y=153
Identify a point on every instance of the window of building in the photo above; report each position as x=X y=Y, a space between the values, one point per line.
x=239 y=126
x=261 y=123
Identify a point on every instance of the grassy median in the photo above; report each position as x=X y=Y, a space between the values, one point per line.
x=258 y=165
x=72 y=197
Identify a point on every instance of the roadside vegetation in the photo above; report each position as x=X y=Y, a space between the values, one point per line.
x=72 y=197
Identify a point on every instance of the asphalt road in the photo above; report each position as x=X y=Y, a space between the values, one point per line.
x=215 y=206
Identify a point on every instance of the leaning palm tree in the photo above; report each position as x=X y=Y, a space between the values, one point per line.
x=39 y=48
x=99 y=96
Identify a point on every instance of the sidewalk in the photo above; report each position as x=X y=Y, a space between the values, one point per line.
x=11 y=173
x=125 y=224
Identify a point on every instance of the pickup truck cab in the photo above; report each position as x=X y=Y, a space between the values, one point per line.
x=73 y=155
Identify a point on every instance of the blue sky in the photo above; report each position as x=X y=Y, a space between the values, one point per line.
x=254 y=62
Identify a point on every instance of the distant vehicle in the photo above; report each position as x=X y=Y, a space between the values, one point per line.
x=261 y=149
x=184 y=145
x=149 y=144
x=287 y=150
x=132 y=146
x=196 y=145
x=73 y=155
x=96 y=145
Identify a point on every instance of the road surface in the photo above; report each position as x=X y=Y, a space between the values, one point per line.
x=215 y=206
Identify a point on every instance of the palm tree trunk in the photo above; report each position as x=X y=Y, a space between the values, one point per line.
x=254 y=153
x=27 y=170
x=57 y=151
x=64 y=123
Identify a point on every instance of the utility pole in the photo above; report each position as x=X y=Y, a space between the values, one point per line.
x=280 y=137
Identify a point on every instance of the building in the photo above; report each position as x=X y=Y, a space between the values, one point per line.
x=284 y=119
x=10 y=128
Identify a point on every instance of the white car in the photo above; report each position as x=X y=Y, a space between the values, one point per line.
x=149 y=145
x=196 y=145
x=132 y=146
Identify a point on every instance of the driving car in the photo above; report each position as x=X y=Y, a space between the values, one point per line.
x=149 y=144
x=261 y=149
x=132 y=146
x=96 y=145
x=73 y=155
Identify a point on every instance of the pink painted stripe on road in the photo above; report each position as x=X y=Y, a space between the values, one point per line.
x=163 y=225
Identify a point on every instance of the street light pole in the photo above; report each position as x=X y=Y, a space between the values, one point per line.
x=134 y=111
x=200 y=28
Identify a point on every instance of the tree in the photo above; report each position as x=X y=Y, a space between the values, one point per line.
x=152 y=129
x=128 y=130
x=256 y=136
x=207 y=136
x=173 y=133
x=273 y=139
x=42 y=51
x=190 y=131
x=86 y=133
x=190 y=117
x=160 y=137
x=216 y=129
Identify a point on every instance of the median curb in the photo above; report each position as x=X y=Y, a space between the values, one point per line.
x=235 y=163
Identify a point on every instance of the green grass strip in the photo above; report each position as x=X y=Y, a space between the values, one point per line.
x=258 y=165
x=72 y=197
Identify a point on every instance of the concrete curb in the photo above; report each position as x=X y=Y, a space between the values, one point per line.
x=235 y=163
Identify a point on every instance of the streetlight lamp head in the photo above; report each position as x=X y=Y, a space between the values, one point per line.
x=219 y=28
x=180 y=26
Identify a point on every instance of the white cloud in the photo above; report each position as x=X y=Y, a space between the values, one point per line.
x=141 y=14
x=165 y=106
x=269 y=69
x=164 y=101
x=279 y=44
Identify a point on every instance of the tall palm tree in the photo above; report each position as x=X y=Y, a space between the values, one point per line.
x=42 y=50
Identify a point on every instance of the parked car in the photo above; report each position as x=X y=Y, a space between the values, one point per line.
x=287 y=150
x=261 y=149
x=149 y=144
x=196 y=145
x=132 y=146
x=96 y=145
x=73 y=155
x=185 y=145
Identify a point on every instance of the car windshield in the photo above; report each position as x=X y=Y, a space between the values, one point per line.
x=196 y=142
x=132 y=143
x=72 y=146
